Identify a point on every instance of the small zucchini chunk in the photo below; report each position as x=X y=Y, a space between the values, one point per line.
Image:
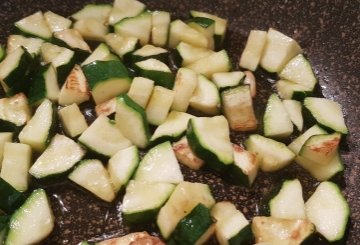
x=16 y=164
x=214 y=63
x=72 y=39
x=32 y=222
x=160 y=28
x=135 y=237
x=149 y=52
x=122 y=165
x=140 y=90
x=121 y=45
x=143 y=200
x=172 y=128
x=102 y=52
x=185 y=155
x=60 y=156
x=206 y=97
x=31 y=44
x=130 y=118
x=182 y=201
x=238 y=108
x=298 y=70
x=104 y=137
x=159 y=165
x=327 y=113
x=93 y=176
x=14 y=71
x=75 y=89
x=159 y=105
x=277 y=123
x=195 y=228
x=278 y=51
x=44 y=86
x=41 y=127
x=225 y=80
x=214 y=148
x=157 y=71
x=124 y=9
x=251 y=55
x=206 y=26
x=292 y=91
x=10 y=198
x=34 y=25
x=99 y=12
x=270 y=230
x=138 y=26
x=245 y=167
x=91 y=29
x=186 y=54
x=5 y=137
x=73 y=121
x=56 y=22
x=329 y=211
x=186 y=82
x=106 y=108
x=288 y=202
x=294 y=110
x=15 y=110
x=273 y=155
x=181 y=32
x=107 y=79
x=231 y=225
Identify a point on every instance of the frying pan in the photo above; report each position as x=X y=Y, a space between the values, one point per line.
x=329 y=33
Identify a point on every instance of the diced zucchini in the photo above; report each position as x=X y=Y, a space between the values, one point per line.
x=224 y=80
x=185 y=155
x=91 y=29
x=195 y=228
x=160 y=28
x=16 y=164
x=135 y=237
x=121 y=45
x=56 y=22
x=102 y=52
x=59 y=157
x=251 y=55
x=122 y=166
x=215 y=63
x=273 y=155
x=2 y=52
x=93 y=176
x=32 y=222
x=278 y=50
x=73 y=121
x=296 y=145
x=14 y=70
x=15 y=109
x=214 y=148
x=137 y=26
x=292 y=91
x=107 y=79
x=251 y=81
x=4 y=138
x=329 y=211
x=106 y=108
x=131 y=120
x=143 y=200
x=184 y=198
x=238 y=108
x=104 y=137
x=181 y=32
x=205 y=26
x=172 y=128
x=10 y=198
x=149 y=52
x=288 y=203
x=75 y=89
x=187 y=54
x=34 y=25
x=245 y=167
x=327 y=113
x=4 y=223
x=41 y=127
x=99 y=12
x=159 y=105
x=321 y=149
x=32 y=45
x=140 y=90
x=206 y=97
x=124 y=9
x=44 y=86
x=185 y=84
x=270 y=230
x=72 y=39
x=277 y=123
x=231 y=225
x=293 y=108
x=159 y=165
x=157 y=71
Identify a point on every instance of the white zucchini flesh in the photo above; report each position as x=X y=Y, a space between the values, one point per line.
x=15 y=109
x=287 y=90
x=91 y=29
x=16 y=164
x=122 y=166
x=293 y=108
x=140 y=90
x=106 y=108
x=102 y=52
x=160 y=165
x=73 y=120
x=220 y=23
x=159 y=105
x=149 y=50
x=185 y=155
x=121 y=45
x=73 y=39
x=51 y=84
x=289 y=202
x=10 y=63
x=60 y=156
x=32 y=45
x=35 y=25
x=328 y=210
x=247 y=162
x=227 y=79
x=93 y=176
x=189 y=53
x=186 y=82
x=56 y=22
x=160 y=28
x=181 y=32
x=4 y=138
x=125 y=8
x=250 y=57
x=99 y=12
x=32 y=222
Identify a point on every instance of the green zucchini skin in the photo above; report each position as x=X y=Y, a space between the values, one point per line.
x=164 y=79
x=242 y=237
x=10 y=198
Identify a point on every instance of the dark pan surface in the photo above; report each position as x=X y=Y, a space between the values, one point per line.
x=329 y=33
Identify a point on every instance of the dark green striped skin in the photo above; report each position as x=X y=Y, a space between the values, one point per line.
x=80 y=54
x=161 y=78
x=133 y=58
x=243 y=236
x=202 y=21
x=37 y=91
x=10 y=198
